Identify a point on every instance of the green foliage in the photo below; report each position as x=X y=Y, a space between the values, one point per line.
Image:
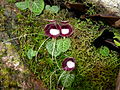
x=31 y=53
x=22 y=5
x=117 y=36
x=61 y=45
x=67 y=79
x=53 y=9
x=35 y=6
x=117 y=43
x=104 y=51
x=50 y=47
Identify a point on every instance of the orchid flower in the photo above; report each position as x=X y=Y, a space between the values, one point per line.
x=52 y=29
x=68 y=64
x=66 y=29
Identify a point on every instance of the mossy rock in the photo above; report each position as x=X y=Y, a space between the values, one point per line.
x=93 y=71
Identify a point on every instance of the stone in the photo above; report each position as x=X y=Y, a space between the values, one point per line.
x=112 y=6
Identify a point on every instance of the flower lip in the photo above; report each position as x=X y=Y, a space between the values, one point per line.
x=68 y=64
x=52 y=30
x=66 y=30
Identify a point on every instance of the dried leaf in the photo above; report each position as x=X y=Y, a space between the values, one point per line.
x=109 y=19
x=79 y=7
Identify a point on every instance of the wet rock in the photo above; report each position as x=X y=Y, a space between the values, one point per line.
x=112 y=6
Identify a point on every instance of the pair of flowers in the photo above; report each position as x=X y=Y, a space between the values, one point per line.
x=64 y=29
x=54 y=30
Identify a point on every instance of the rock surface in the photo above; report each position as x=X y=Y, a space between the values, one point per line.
x=113 y=6
x=13 y=73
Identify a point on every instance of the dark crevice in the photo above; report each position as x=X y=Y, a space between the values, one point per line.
x=106 y=39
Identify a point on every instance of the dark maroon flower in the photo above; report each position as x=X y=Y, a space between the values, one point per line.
x=68 y=64
x=53 y=29
x=66 y=29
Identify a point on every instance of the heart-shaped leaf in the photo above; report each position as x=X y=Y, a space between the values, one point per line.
x=67 y=79
x=50 y=47
x=63 y=44
x=37 y=6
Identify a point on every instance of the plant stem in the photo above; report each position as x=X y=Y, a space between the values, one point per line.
x=40 y=48
x=57 y=63
x=62 y=88
x=60 y=77
x=54 y=42
x=51 y=78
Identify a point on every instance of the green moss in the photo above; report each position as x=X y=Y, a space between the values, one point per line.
x=93 y=71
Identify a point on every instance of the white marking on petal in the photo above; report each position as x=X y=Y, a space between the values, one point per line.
x=70 y=64
x=54 y=31
x=65 y=31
